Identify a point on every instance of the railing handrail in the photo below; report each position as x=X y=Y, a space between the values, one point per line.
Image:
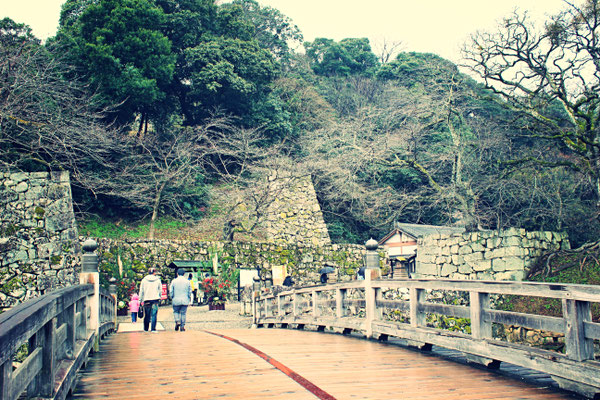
x=542 y=289
x=575 y=370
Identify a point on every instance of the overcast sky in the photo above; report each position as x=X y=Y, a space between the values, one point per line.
x=435 y=26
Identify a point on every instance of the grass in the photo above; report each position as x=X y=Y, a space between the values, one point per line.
x=97 y=227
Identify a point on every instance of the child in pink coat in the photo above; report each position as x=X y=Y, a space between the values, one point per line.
x=134 y=306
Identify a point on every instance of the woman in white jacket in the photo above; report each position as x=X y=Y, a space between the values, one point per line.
x=150 y=291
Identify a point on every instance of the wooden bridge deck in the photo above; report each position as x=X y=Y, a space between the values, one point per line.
x=282 y=364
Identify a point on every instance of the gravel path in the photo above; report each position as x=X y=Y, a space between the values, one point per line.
x=198 y=317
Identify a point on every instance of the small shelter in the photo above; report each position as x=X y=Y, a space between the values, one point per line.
x=192 y=266
x=401 y=243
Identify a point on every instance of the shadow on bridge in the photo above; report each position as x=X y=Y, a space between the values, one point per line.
x=282 y=364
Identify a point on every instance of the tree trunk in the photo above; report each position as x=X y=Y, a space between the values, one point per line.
x=155 y=210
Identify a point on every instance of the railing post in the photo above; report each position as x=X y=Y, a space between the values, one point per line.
x=6 y=379
x=315 y=306
x=372 y=272
x=575 y=313
x=340 y=296
x=266 y=310
x=71 y=332
x=81 y=317
x=481 y=327
x=43 y=384
x=369 y=305
x=372 y=257
x=89 y=275
x=417 y=317
x=255 y=293
x=279 y=313
x=296 y=304
x=112 y=289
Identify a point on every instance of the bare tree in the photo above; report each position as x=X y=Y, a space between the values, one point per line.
x=386 y=49
x=46 y=120
x=552 y=76
x=415 y=155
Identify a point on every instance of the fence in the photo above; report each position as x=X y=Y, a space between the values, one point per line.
x=57 y=331
x=382 y=308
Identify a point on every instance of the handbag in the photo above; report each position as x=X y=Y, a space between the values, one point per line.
x=141 y=312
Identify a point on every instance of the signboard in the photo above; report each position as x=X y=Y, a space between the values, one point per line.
x=279 y=272
x=163 y=294
x=246 y=277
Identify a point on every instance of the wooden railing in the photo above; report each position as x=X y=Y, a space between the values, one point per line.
x=57 y=331
x=369 y=306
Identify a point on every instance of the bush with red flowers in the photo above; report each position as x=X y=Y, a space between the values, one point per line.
x=216 y=289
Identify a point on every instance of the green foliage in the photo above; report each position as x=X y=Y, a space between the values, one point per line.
x=452 y=324
x=271 y=29
x=347 y=57
x=14 y=35
x=120 y=46
x=228 y=73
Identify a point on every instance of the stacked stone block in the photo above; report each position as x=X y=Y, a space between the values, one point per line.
x=484 y=255
x=295 y=215
x=38 y=235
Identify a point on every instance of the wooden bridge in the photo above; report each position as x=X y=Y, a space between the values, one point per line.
x=58 y=331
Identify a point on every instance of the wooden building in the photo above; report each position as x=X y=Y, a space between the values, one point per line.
x=401 y=243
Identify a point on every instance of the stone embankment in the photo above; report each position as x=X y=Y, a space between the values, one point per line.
x=38 y=235
x=484 y=255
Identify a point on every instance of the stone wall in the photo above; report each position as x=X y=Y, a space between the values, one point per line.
x=301 y=262
x=38 y=235
x=488 y=255
x=295 y=214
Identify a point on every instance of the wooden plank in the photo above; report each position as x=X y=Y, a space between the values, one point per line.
x=60 y=339
x=445 y=309
x=553 y=324
x=227 y=370
x=540 y=289
x=27 y=371
x=67 y=376
x=591 y=329
x=402 y=305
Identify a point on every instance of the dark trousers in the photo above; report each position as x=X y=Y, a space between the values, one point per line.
x=150 y=311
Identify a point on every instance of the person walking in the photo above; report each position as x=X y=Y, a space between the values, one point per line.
x=150 y=291
x=194 y=291
x=181 y=295
x=134 y=306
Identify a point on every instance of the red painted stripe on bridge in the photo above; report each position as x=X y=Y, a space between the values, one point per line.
x=305 y=383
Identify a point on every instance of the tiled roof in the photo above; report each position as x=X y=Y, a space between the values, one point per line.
x=190 y=264
x=418 y=230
